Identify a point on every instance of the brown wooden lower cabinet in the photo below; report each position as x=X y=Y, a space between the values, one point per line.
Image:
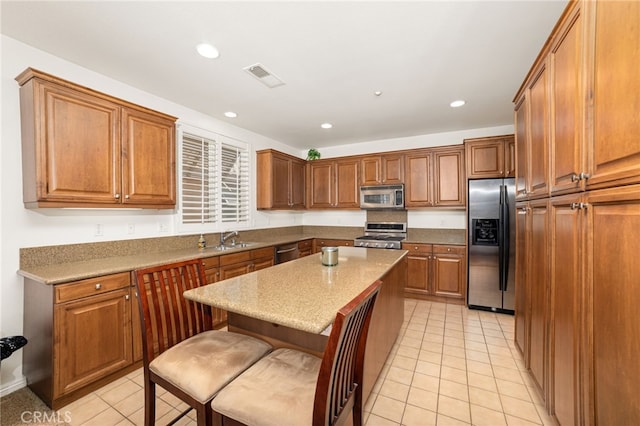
x=567 y=232
x=581 y=329
x=436 y=272
x=79 y=333
x=305 y=248
x=611 y=302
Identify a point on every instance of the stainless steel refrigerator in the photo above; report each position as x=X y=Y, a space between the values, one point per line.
x=491 y=241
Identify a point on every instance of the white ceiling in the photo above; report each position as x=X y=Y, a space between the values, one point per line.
x=332 y=55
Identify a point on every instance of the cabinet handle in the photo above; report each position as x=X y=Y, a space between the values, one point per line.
x=116 y=196
x=126 y=196
x=415 y=248
x=126 y=297
x=575 y=177
x=98 y=286
x=584 y=176
x=449 y=249
x=579 y=206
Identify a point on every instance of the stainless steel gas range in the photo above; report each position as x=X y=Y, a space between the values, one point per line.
x=385 y=235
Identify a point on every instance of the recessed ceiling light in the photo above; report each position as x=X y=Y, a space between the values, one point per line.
x=230 y=114
x=326 y=125
x=207 y=50
x=458 y=103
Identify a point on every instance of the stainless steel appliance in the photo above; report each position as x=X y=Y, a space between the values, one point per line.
x=491 y=241
x=387 y=235
x=379 y=197
x=287 y=252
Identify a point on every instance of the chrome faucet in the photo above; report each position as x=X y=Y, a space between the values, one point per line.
x=224 y=237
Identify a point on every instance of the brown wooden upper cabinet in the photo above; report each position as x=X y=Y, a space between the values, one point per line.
x=82 y=148
x=280 y=181
x=382 y=169
x=435 y=177
x=490 y=157
x=334 y=183
x=612 y=66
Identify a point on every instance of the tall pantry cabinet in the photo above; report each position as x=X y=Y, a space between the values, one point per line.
x=576 y=114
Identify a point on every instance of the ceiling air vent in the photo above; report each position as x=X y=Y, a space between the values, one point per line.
x=264 y=76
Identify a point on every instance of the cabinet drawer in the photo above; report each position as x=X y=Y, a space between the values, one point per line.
x=262 y=252
x=230 y=259
x=448 y=249
x=418 y=248
x=211 y=262
x=305 y=245
x=91 y=287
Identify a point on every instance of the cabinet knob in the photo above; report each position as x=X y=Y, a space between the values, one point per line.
x=449 y=249
x=116 y=196
x=575 y=177
x=126 y=196
x=126 y=297
x=98 y=286
x=415 y=248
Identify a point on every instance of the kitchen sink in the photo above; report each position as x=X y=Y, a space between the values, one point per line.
x=231 y=246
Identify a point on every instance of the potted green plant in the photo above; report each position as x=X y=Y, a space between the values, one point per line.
x=313 y=154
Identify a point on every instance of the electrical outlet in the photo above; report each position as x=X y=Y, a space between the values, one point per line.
x=98 y=231
x=131 y=229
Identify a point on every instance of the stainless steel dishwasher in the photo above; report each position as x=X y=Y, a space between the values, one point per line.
x=287 y=252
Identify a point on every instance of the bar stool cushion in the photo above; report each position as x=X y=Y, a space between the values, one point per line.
x=206 y=362
x=278 y=390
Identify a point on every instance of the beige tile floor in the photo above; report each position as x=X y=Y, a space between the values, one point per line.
x=450 y=366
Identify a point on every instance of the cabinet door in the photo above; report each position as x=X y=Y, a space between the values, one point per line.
x=212 y=275
x=565 y=296
x=538 y=161
x=76 y=154
x=613 y=298
x=235 y=270
x=417 y=180
x=449 y=177
x=522 y=301
x=510 y=157
x=615 y=145
x=148 y=159
x=94 y=339
x=371 y=170
x=449 y=266
x=418 y=271
x=538 y=278
x=281 y=179
x=262 y=263
x=297 y=184
x=522 y=145
x=567 y=99
x=393 y=168
x=321 y=184
x=484 y=158
x=347 y=184
x=136 y=326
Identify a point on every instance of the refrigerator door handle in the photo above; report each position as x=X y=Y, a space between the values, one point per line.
x=504 y=244
x=501 y=277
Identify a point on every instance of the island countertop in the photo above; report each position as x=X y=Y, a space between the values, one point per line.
x=302 y=294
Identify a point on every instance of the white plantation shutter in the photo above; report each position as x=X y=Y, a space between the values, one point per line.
x=234 y=179
x=214 y=182
x=198 y=179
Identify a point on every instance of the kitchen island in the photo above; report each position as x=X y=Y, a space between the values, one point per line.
x=294 y=304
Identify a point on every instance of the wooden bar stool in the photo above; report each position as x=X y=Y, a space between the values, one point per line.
x=180 y=351
x=290 y=387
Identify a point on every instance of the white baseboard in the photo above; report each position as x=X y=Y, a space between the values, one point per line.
x=7 y=388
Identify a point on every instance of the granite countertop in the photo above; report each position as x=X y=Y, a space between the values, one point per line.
x=136 y=257
x=288 y=293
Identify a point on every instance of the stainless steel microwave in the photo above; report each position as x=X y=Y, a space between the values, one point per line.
x=379 y=197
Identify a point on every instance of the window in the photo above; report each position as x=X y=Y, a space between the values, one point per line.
x=214 y=182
